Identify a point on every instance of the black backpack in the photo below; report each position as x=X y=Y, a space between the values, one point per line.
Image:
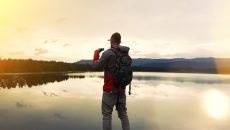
x=123 y=71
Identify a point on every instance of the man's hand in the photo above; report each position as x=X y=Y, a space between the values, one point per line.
x=99 y=50
x=97 y=54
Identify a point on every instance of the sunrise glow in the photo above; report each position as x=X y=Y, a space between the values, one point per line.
x=72 y=30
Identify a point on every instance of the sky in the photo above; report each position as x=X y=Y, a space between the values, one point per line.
x=70 y=30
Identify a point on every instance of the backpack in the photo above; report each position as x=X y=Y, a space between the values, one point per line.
x=123 y=73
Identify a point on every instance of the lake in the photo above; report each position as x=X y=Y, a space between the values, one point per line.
x=72 y=101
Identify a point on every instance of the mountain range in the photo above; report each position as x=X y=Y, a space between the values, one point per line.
x=193 y=65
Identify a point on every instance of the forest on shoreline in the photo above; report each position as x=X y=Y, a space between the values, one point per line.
x=29 y=65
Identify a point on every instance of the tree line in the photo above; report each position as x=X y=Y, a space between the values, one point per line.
x=29 y=65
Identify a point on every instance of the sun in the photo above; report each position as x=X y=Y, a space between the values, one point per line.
x=216 y=104
x=6 y=6
x=8 y=12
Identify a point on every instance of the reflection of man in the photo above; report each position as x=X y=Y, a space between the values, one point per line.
x=112 y=96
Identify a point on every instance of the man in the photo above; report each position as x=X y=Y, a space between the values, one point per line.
x=112 y=94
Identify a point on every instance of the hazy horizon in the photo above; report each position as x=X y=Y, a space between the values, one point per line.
x=91 y=59
x=71 y=30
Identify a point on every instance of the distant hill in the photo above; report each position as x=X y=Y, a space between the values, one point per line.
x=147 y=61
x=136 y=62
x=84 y=62
x=194 y=65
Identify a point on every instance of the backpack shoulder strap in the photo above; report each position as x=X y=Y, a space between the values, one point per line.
x=114 y=50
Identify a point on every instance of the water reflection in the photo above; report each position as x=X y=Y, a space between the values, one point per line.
x=21 y=80
x=72 y=101
x=181 y=77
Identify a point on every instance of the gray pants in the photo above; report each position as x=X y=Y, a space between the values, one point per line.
x=109 y=100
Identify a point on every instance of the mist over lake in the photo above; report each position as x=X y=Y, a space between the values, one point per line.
x=72 y=101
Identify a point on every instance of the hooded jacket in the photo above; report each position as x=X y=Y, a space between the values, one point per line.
x=107 y=61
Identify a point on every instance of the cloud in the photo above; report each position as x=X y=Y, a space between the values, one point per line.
x=44 y=93
x=61 y=20
x=152 y=55
x=45 y=42
x=54 y=40
x=22 y=29
x=64 y=90
x=190 y=53
x=21 y=105
x=66 y=44
x=50 y=94
x=59 y=116
x=40 y=51
x=51 y=41
x=53 y=94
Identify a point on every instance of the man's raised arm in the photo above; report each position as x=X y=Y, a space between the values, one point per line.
x=99 y=62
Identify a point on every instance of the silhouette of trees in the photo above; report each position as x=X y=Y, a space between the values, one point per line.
x=29 y=65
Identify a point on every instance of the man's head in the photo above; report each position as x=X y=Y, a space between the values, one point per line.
x=115 y=39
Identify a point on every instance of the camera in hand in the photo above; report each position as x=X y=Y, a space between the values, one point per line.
x=100 y=49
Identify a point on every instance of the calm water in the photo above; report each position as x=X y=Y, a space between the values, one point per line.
x=160 y=101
